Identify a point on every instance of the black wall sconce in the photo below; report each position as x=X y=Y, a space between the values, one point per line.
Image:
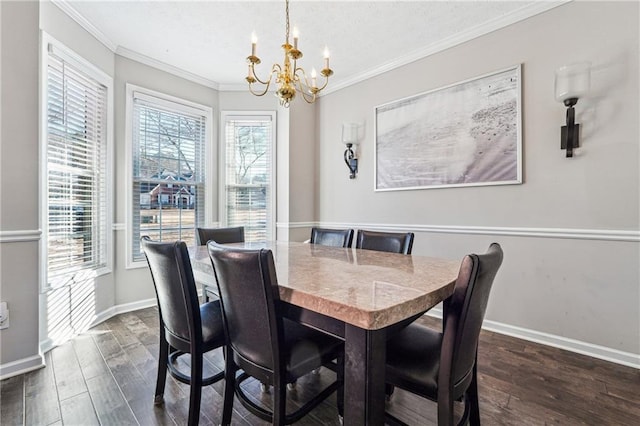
x=572 y=82
x=350 y=139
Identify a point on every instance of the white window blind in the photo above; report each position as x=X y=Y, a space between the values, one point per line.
x=168 y=143
x=76 y=158
x=248 y=175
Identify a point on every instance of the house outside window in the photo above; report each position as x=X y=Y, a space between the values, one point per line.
x=168 y=163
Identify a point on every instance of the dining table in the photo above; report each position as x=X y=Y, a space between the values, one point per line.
x=361 y=296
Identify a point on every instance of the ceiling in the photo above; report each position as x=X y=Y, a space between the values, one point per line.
x=208 y=41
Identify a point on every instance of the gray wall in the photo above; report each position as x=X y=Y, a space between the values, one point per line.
x=19 y=221
x=558 y=276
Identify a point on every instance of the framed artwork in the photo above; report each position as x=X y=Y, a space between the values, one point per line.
x=465 y=134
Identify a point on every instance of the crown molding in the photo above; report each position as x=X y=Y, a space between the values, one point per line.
x=154 y=63
x=478 y=31
x=84 y=23
x=475 y=32
x=233 y=87
x=68 y=9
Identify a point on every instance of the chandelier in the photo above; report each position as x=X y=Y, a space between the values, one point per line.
x=290 y=78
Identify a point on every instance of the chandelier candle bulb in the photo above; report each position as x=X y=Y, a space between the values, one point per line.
x=296 y=35
x=314 y=76
x=326 y=57
x=254 y=41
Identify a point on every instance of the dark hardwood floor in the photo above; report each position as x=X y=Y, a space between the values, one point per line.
x=107 y=376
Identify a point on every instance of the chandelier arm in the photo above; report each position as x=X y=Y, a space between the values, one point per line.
x=304 y=77
x=326 y=81
x=274 y=69
x=306 y=80
x=307 y=94
x=308 y=97
x=266 y=89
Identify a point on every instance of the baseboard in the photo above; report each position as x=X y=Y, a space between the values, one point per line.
x=584 y=348
x=48 y=344
x=21 y=366
x=121 y=309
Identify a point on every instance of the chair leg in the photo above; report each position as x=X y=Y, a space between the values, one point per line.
x=195 y=389
x=279 y=403
x=205 y=295
x=472 y=398
x=340 y=392
x=229 y=384
x=163 y=358
x=445 y=407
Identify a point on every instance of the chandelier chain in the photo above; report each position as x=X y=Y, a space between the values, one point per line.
x=287 y=15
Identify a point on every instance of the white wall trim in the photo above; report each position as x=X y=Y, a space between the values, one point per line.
x=84 y=23
x=76 y=16
x=20 y=236
x=121 y=309
x=595 y=351
x=154 y=63
x=47 y=344
x=459 y=38
x=119 y=226
x=21 y=366
x=235 y=87
x=558 y=233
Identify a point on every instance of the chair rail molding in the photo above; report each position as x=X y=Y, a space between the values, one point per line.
x=20 y=236
x=560 y=233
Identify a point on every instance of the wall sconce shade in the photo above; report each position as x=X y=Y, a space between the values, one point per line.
x=571 y=83
x=350 y=138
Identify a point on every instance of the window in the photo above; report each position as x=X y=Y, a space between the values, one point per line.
x=76 y=151
x=249 y=190
x=168 y=162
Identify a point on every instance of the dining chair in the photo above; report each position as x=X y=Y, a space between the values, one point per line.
x=393 y=242
x=221 y=236
x=442 y=366
x=261 y=342
x=332 y=237
x=186 y=327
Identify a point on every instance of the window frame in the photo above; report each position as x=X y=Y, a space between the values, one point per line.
x=222 y=172
x=81 y=64
x=177 y=104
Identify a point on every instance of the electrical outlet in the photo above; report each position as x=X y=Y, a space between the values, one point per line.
x=4 y=315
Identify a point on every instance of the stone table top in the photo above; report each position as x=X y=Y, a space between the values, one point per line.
x=365 y=288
